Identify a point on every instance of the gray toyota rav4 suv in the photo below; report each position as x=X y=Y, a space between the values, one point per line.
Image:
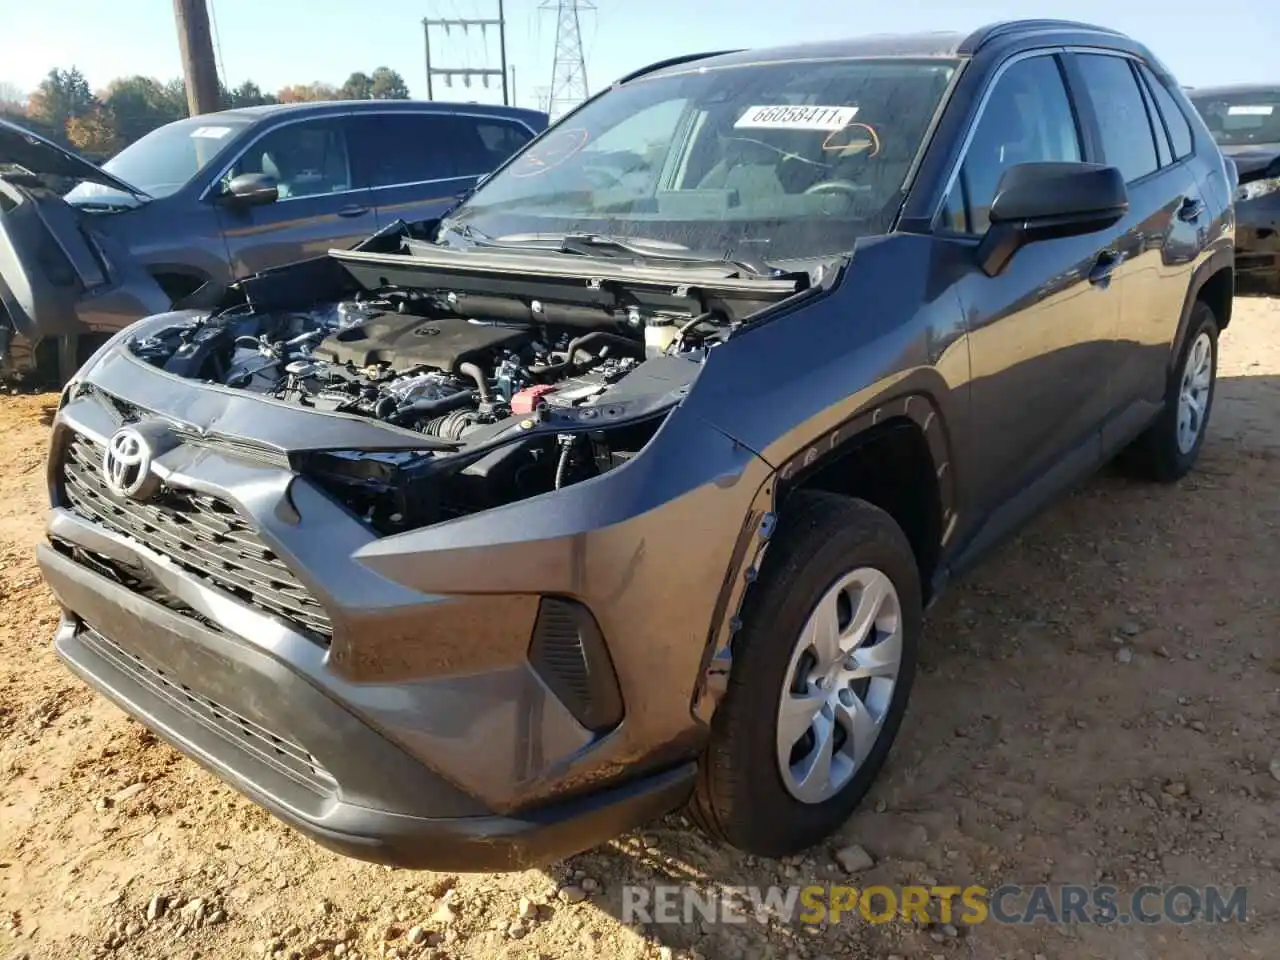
x=625 y=485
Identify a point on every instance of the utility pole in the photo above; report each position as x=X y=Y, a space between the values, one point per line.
x=466 y=73
x=569 y=72
x=199 y=68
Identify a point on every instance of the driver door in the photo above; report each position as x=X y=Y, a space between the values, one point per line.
x=320 y=205
x=1041 y=333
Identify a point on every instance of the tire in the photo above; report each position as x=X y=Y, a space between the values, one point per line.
x=742 y=796
x=1162 y=452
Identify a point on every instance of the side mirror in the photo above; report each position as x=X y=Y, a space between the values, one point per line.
x=1046 y=201
x=253 y=189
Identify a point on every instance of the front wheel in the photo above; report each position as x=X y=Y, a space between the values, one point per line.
x=1171 y=445
x=822 y=670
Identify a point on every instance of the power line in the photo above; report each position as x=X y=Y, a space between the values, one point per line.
x=217 y=43
x=466 y=73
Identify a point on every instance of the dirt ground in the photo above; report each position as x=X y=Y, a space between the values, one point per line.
x=1100 y=703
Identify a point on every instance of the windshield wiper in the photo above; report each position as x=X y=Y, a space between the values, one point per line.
x=589 y=244
x=593 y=244
x=469 y=233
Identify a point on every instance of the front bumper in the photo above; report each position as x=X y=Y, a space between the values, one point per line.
x=221 y=702
x=1258 y=245
x=17 y=358
x=397 y=715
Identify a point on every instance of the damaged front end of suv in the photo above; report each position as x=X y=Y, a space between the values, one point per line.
x=411 y=489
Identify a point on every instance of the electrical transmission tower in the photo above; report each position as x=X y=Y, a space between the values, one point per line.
x=466 y=73
x=569 y=73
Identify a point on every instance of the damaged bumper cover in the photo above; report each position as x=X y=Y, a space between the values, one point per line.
x=61 y=279
x=488 y=693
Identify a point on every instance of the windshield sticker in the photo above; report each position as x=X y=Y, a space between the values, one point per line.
x=796 y=117
x=213 y=133
x=550 y=152
x=1257 y=110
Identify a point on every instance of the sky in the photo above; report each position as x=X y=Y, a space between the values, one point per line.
x=279 y=42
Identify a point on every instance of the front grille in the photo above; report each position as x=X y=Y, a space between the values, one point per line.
x=131 y=578
x=284 y=756
x=202 y=534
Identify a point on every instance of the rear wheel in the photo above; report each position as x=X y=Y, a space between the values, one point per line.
x=1171 y=445
x=822 y=670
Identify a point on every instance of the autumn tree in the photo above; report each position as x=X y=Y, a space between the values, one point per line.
x=140 y=104
x=64 y=109
x=95 y=132
x=387 y=84
x=248 y=94
x=359 y=86
x=11 y=98
x=61 y=95
x=12 y=104
x=307 y=93
x=383 y=84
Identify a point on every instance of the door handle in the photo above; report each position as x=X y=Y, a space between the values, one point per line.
x=1190 y=209
x=1107 y=261
x=353 y=210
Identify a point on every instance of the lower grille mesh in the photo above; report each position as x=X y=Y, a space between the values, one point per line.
x=285 y=757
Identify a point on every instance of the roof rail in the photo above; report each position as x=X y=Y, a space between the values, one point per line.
x=670 y=62
x=1003 y=28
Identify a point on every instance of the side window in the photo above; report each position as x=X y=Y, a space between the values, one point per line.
x=1174 y=119
x=481 y=144
x=1127 y=141
x=500 y=138
x=399 y=148
x=308 y=158
x=1027 y=118
x=1164 y=153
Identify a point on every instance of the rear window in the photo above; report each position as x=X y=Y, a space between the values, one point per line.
x=1241 y=118
x=1175 y=120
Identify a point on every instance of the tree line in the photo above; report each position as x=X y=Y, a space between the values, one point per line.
x=63 y=108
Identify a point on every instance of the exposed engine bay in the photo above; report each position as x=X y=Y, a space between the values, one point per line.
x=513 y=394
x=440 y=375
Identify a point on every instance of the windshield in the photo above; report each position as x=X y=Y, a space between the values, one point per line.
x=1241 y=118
x=165 y=160
x=761 y=161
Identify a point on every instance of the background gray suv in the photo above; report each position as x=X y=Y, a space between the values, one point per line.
x=220 y=196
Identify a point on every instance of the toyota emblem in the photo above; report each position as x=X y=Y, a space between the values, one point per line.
x=126 y=464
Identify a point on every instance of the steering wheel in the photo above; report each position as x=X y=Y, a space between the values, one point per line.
x=836 y=186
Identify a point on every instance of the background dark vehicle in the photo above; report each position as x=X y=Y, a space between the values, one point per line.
x=1245 y=121
x=220 y=196
x=481 y=542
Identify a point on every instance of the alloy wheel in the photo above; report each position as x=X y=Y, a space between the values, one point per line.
x=1193 y=397
x=839 y=685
